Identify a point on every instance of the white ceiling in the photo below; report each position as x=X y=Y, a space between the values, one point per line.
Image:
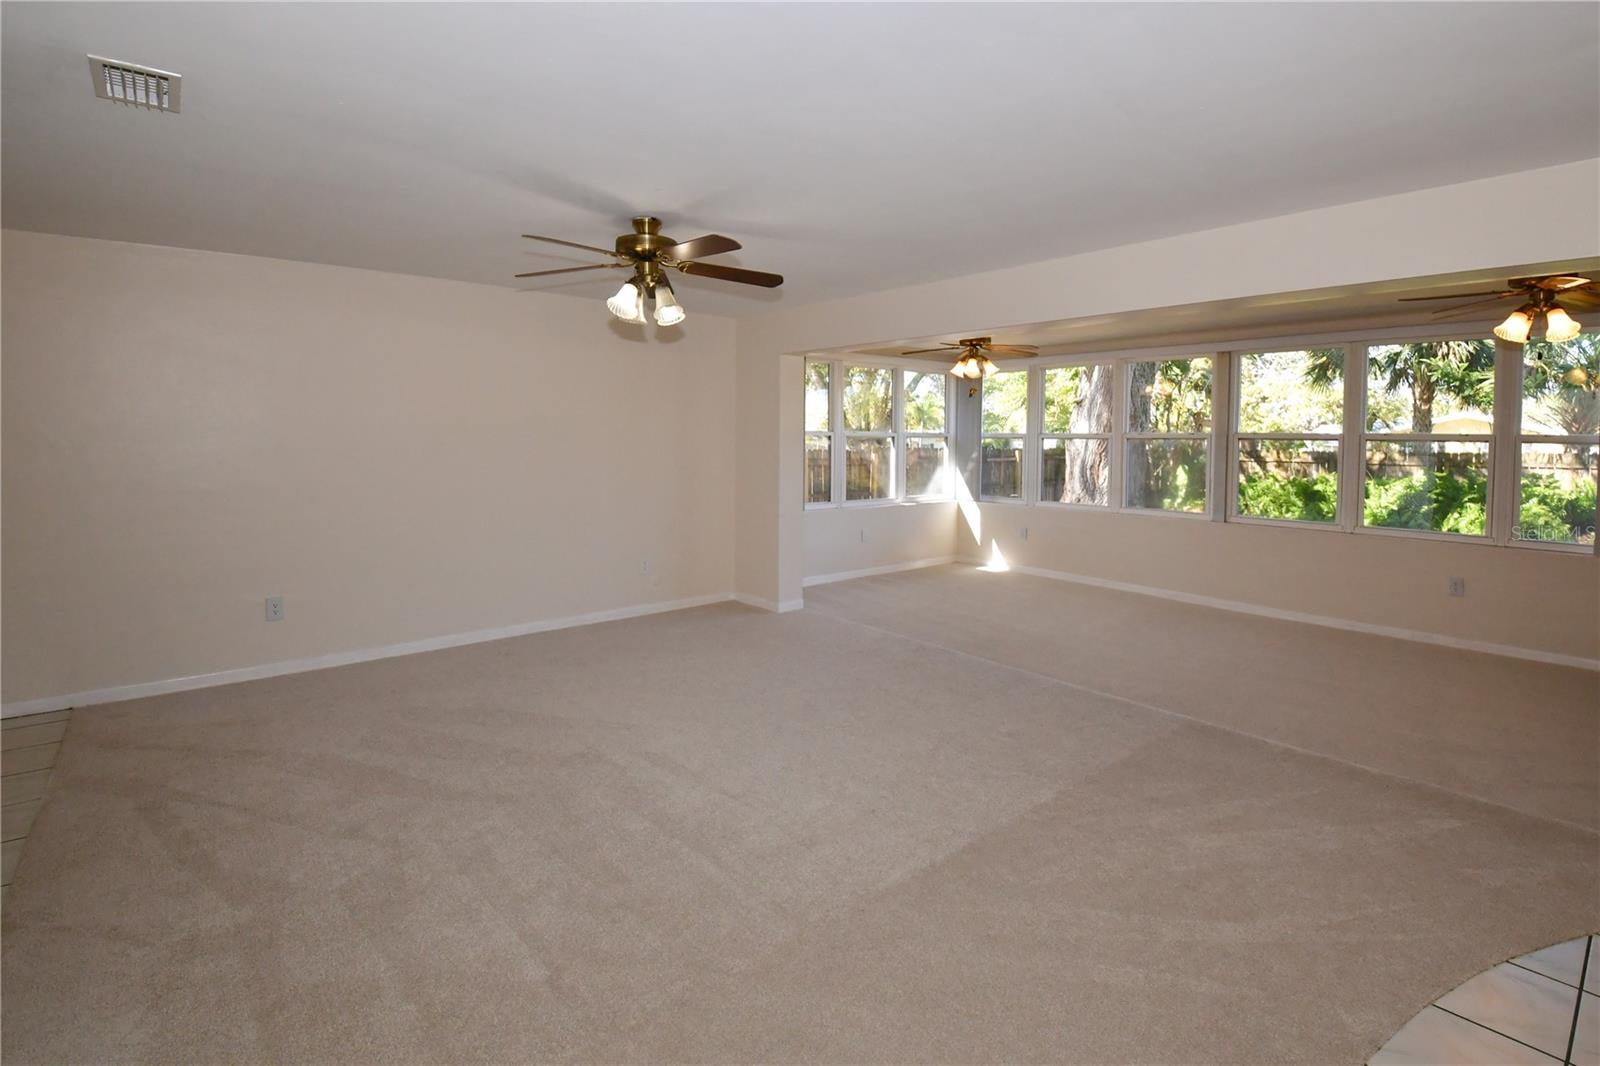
x=850 y=147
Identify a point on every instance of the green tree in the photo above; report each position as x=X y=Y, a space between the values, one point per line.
x=1561 y=382
x=1463 y=370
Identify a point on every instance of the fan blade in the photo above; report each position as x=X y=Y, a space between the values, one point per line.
x=700 y=247
x=941 y=348
x=1014 y=349
x=739 y=274
x=1470 y=306
x=572 y=244
x=567 y=270
x=1458 y=296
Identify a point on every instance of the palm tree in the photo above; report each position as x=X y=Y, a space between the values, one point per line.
x=1461 y=369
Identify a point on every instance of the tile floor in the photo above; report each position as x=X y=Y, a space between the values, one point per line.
x=1539 y=1008
x=28 y=749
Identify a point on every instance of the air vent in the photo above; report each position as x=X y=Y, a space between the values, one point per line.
x=129 y=83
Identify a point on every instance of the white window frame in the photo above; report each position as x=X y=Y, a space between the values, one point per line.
x=1495 y=528
x=839 y=436
x=830 y=433
x=1346 y=514
x=1124 y=416
x=1110 y=437
x=1509 y=377
x=905 y=436
x=1028 y=435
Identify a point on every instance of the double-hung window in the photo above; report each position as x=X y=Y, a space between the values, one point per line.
x=819 y=436
x=1075 y=446
x=926 y=448
x=1288 y=432
x=1558 y=443
x=1429 y=421
x=875 y=433
x=869 y=461
x=1005 y=435
x=1168 y=434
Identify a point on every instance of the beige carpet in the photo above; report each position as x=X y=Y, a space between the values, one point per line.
x=732 y=836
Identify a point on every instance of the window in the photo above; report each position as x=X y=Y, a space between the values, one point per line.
x=869 y=433
x=1005 y=428
x=1428 y=422
x=1168 y=436
x=819 y=439
x=1075 y=449
x=926 y=448
x=1290 y=424
x=892 y=432
x=1558 y=442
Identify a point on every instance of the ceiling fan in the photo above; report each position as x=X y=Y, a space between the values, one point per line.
x=975 y=361
x=649 y=255
x=1539 y=302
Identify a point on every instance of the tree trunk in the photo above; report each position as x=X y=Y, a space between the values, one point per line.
x=1421 y=400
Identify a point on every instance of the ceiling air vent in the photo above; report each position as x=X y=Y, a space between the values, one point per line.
x=129 y=83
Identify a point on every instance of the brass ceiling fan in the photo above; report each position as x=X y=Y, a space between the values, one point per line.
x=649 y=255
x=975 y=351
x=1540 y=301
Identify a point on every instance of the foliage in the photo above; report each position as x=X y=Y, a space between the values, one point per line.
x=1170 y=396
x=1304 y=499
x=1291 y=392
x=1561 y=383
x=1005 y=402
x=1462 y=370
x=1553 y=511
x=924 y=401
x=868 y=398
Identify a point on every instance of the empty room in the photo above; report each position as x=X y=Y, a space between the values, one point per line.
x=800 y=533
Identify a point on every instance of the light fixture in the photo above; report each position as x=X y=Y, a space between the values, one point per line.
x=1518 y=325
x=627 y=304
x=973 y=365
x=1560 y=326
x=668 y=311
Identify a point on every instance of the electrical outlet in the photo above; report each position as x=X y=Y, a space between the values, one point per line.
x=274 y=608
x=1023 y=533
x=644 y=566
x=863 y=536
x=1458 y=586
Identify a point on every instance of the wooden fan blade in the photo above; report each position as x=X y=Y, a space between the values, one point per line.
x=739 y=274
x=1587 y=298
x=700 y=247
x=941 y=348
x=1459 y=295
x=1468 y=307
x=566 y=270
x=1014 y=349
x=572 y=244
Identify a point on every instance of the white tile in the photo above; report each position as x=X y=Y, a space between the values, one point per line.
x=1526 y=1006
x=1586 y=1042
x=1436 y=1038
x=1562 y=961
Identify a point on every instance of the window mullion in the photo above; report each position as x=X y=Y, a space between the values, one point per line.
x=1116 y=474
x=1353 y=452
x=837 y=439
x=1505 y=457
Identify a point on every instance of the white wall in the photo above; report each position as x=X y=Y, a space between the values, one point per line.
x=1471 y=226
x=843 y=540
x=186 y=433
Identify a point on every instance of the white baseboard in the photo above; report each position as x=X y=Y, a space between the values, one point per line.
x=1420 y=636
x=768 y=605
x=345 y=658
x=871 y=571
